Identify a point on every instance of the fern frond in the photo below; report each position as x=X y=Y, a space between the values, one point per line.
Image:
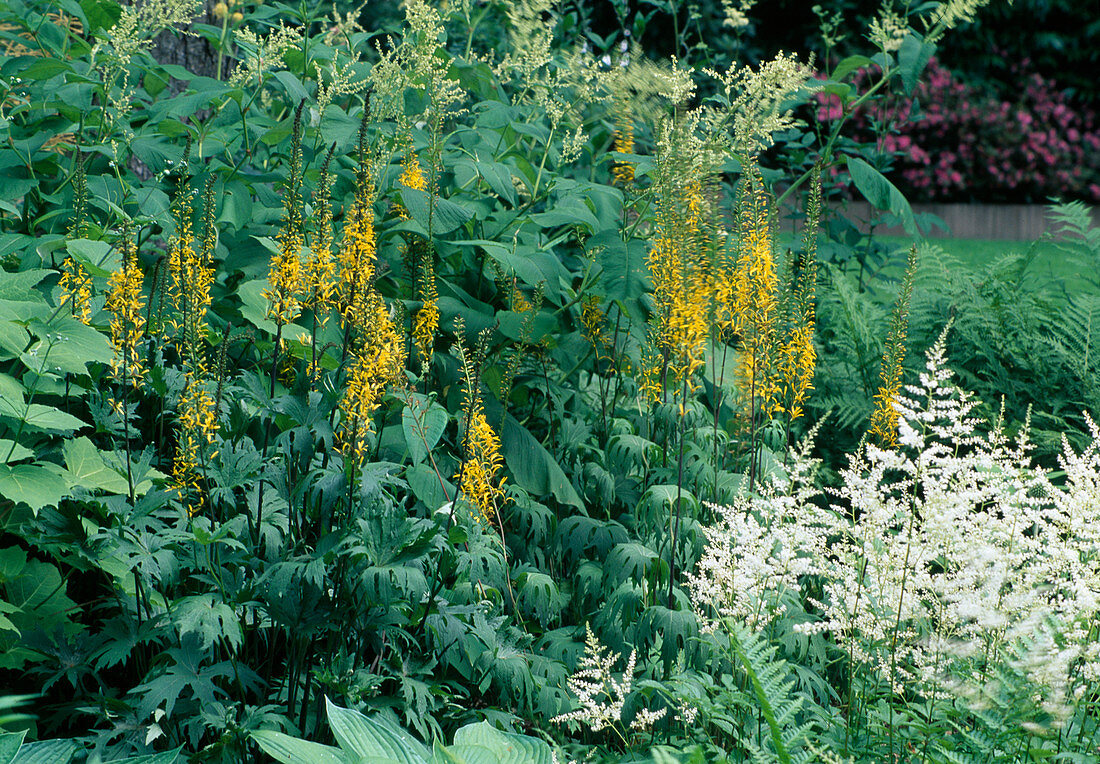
x=1080 y=238
x=783 y=711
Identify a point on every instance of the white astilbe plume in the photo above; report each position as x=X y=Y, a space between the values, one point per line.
x=600 y=695
x=952 y=559
x=760 y=548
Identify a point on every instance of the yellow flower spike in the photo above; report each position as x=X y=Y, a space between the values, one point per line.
x=478 y=475
x=76 y=289
x=126 y=305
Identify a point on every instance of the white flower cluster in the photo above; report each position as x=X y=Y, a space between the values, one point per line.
x=600 y=695
x=952 y=557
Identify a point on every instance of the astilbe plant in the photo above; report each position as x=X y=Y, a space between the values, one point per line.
x=942 y=567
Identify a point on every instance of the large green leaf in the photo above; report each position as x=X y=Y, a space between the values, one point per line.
x=881 y=193
x=32 y=484
x=444 y=215
x=423 y=422
x=9 y=746
x=66 y=346
x=623 y=270
x=507 y=747
x=19 y=287
x=85 y=463
x=532 y=466
x=47 y=752
x=290 y=750
x=11 y=452
x=39 y=416
x=254 y=308
x=13 y=335
x=532 y=266
x=913 y=56
x=371 y=739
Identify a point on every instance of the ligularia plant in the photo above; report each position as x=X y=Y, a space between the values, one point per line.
x=949 y=569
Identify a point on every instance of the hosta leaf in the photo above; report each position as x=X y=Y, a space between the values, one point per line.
x=458 y=755
x=47 y=752
x=19 y=287
x=9 y=746
x=290 y=750
x=372 y=738
x=507 y=747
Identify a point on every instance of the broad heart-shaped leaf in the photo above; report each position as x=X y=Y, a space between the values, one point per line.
x=47 y=752
x=39 y=416
x=445 y=216
x=373 y=740
x=34 y=485
x=534 y=469
x=11 y=452
x=290 y=750
x=423 y=422
x=881 y=193
x=99 y=258
x=88 y=469
x=19 y=287
x=507 y=747
x=9 y=746
x=13 y=336
x=532 y=266
x=254 y=309
x=66 y=345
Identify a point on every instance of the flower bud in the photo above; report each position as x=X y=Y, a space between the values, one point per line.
x=220 y=9
x=237 y=17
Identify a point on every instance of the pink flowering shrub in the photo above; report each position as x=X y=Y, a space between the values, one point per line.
x=962 y=142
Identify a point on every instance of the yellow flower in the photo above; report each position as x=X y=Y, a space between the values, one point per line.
x=677 y=264
x=424 y=329
x=378 y=360
x=286 y=266
x=478 y=474
x=412 y=176
x=76 y=289
x=884 y=419
x=196 y=428
x=623 y=172
x=126 y=304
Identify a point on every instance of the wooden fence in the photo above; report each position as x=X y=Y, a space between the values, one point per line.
x=1016 y=222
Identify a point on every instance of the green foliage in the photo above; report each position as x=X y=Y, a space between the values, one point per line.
x=377 y=740
x=204 y=535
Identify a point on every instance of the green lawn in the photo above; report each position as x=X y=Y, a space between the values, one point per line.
x=1051 y=259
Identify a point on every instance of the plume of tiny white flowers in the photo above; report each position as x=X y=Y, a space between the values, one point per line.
x=600 y=695
x=952 y=559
